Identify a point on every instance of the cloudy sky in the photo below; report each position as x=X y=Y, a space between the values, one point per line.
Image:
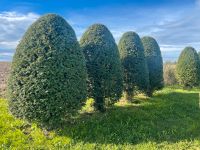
x=174 y=23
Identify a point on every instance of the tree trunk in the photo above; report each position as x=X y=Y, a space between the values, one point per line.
x=129 y=96
x=149 y=93
x=99 y=104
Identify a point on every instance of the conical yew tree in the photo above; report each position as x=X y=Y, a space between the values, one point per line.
x=155 y=64
x=103 y=65
x=48 y=75
x=134 y=64
x=188 y=68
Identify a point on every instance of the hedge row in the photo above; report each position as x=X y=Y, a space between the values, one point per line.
x=52 y=73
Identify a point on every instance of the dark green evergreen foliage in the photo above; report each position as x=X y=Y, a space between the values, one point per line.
x=188 y=68
x=199 y=54
x=134 y=64
x=48 y=75
x=155 y=64
x=103 y=65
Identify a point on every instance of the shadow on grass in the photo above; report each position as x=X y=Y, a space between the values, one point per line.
x=168 y=117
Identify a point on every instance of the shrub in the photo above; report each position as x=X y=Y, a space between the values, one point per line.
x=199 y=54
x=48 y=75
x=169 y=73
x=134 y=64
x=155 y=64
x=103 y=65
x=188 y=68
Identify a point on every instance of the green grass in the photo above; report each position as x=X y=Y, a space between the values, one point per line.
x=169 y=120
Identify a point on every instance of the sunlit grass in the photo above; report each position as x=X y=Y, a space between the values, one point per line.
x=169 y=120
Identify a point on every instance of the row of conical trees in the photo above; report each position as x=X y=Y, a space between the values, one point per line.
x=52 y=73
x=188 y=68
x=142 y=64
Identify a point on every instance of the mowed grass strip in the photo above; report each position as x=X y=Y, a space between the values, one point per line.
x=169 y=120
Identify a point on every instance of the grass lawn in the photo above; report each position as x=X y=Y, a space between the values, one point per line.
x=169 y=120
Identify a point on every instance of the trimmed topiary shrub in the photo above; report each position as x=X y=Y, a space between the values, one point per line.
x=199 y=54
x=134 y=64
x=155 y=64
x=48 y=75
x=188 y=68
x=103 y=65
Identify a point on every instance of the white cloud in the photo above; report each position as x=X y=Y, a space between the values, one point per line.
x=171 y=48
x=7 y=54
x=12 y=27
x=173 y=27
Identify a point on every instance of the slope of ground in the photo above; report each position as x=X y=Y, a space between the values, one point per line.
x=169 y=120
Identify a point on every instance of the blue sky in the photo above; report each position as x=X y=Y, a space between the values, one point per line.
x=174 y=23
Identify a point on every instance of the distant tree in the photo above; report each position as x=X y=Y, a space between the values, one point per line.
x=199 y=56
x=103 y=65
x=48 y=75
x=169 y=75
x=155 y=64
x=134 y=64
x=188 y=68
